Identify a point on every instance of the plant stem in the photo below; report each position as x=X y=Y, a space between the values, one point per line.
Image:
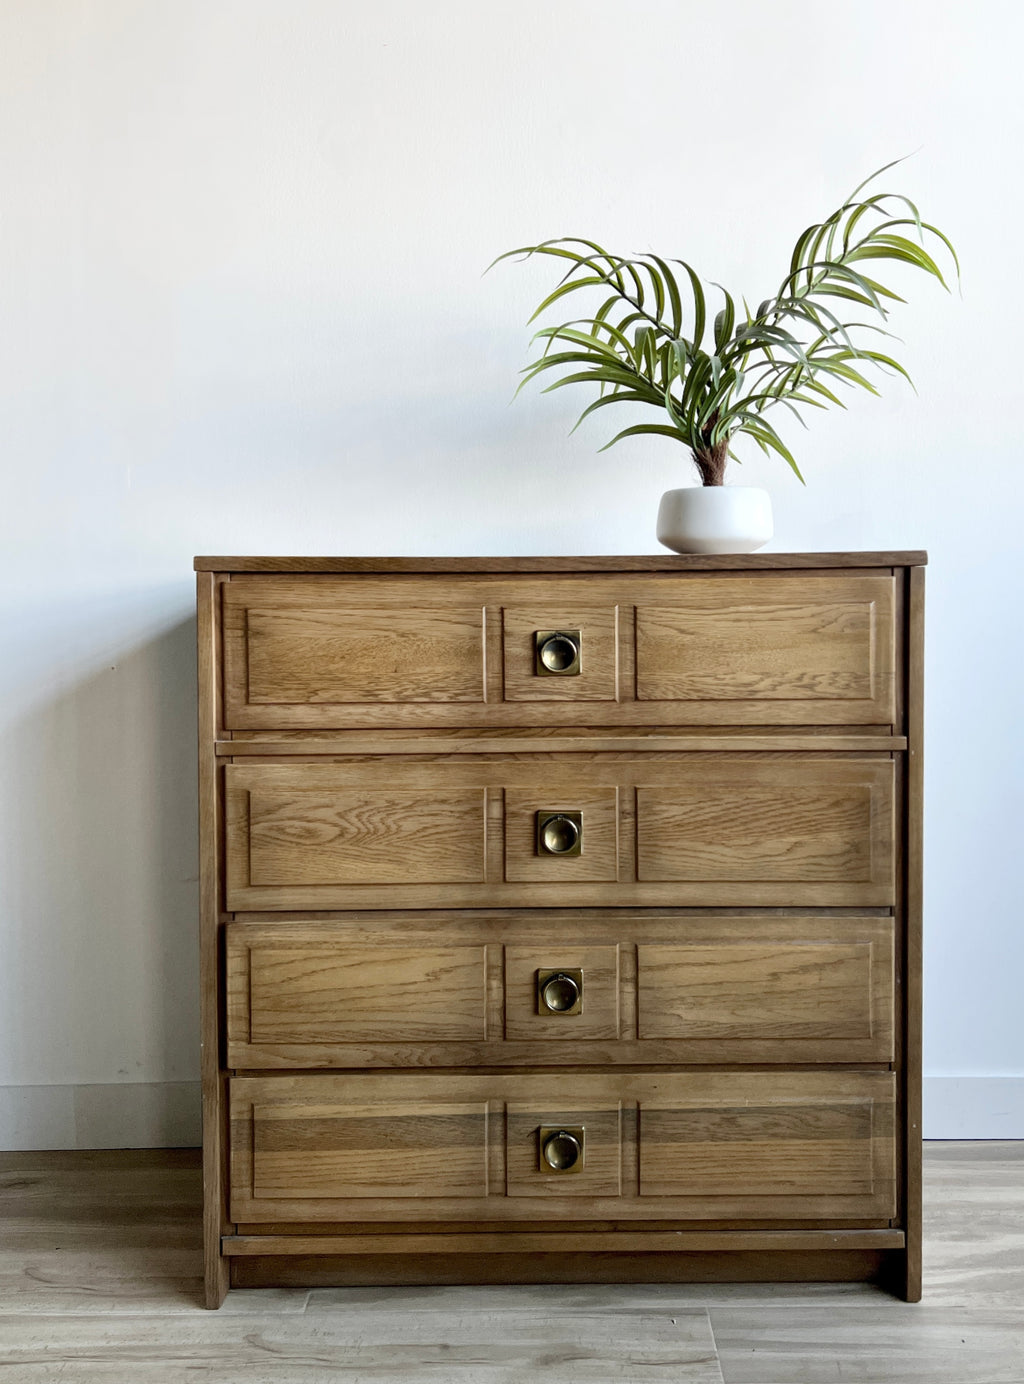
x=710 y=461
x=633 y=302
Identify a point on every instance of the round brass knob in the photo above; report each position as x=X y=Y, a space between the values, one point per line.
x=559 y=652
x=560 y=993
x=559 y=835
x=561 y=1150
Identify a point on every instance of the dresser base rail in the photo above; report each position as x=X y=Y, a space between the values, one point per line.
x=502 y=1242
x=886 y=1267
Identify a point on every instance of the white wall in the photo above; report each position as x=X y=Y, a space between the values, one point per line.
x=241 y=310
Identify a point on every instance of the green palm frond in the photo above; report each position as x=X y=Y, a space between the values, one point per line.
x=646 y=340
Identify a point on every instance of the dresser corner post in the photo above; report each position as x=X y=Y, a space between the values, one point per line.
x=214 y=1113
x=910 y=1287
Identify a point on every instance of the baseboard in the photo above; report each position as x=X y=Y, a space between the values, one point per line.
x=973 y=1107
x=135 y=1115
x=165 y=1114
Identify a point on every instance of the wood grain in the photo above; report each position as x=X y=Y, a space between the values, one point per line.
x=838 y=991
x=299 y=835
x=713 y=830
x=824 y=1149
x=645 y=562
x=744 y=640
x=334 y=652
x=913 y=960
x=566 y=1267
x=556 y=790
x=101 y=1275
x=541 y=741
x=407 y=990
x=729 y=744
x=419 y=1345
x=330 y=995
x=529 y=1176
x=794 y=822
x=527 y=1021
x=422 y=1148
x=637 y=1241
x=215 y=1133
x=295 y=644
x=597 y=680
x=712 y=1144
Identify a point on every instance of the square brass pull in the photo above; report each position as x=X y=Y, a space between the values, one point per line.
x=559 y=833
x=558 y=653
x=560 y=992
x=561 y=1148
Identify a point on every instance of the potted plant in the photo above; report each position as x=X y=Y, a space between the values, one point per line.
x=649 y=341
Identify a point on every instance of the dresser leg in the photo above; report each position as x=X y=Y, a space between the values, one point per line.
x=911 y=1276
x=216 y=1283
x=902 y=1275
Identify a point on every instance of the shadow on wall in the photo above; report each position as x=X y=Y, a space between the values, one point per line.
x=99 y=907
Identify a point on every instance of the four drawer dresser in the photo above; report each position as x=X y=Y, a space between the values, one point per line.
x=561 y=918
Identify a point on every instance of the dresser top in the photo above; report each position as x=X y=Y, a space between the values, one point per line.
x=645 y=562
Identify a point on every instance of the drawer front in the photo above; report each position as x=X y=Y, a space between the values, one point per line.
x=476 y=989
x=629 y=1145
x=688 y=649
x=466 y=831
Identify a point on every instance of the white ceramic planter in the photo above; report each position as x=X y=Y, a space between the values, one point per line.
x=715 y=519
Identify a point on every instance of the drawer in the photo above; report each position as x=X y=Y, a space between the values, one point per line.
x=468 y=831
x=627 y=1145
x=689 y=648
x=556 y=988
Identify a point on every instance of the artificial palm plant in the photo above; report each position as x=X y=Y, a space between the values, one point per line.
x=648 y=341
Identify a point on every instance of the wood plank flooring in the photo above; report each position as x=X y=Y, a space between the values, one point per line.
x=100 y=1265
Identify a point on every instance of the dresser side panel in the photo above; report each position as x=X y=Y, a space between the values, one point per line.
x=913 y=923
x=214 y=1094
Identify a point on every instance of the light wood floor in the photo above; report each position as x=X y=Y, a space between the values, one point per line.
x=99 y=1280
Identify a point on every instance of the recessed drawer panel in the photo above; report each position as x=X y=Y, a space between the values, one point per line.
x=325 y=996
x=426 y=1147
x=559 y=991
x=824 y=643
x=772 y=823
x=539 y=642
x=529 y=861
x=772 y=1143
x=621 y=1145
x=586 y=1161
x=329 y=644
x=818 y=982
x=321 y=835
x=466 y=831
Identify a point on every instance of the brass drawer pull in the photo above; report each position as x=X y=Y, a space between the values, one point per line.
x=559 y=833
x=562 y=1150
x=560 y=992
x=557 y=653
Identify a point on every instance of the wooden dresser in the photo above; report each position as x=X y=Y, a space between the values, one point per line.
x=561 y=918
